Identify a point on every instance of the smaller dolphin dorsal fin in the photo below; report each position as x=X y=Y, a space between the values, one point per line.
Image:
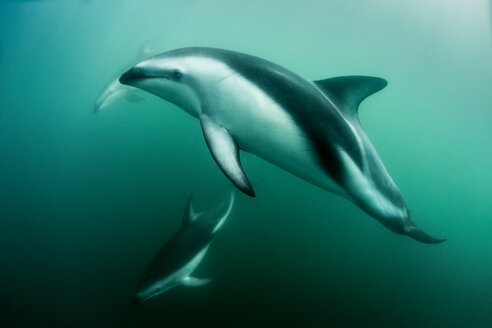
x=190 y=214
x=350 y=91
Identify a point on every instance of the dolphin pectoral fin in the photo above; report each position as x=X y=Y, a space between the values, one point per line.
x=420 y=235
x=225 y=152
x=195 y=282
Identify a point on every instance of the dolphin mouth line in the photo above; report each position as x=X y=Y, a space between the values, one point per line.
x=128 y=81
x=134 y=75
x=138 y=300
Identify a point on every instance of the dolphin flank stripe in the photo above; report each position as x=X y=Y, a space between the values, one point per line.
x=284 y=89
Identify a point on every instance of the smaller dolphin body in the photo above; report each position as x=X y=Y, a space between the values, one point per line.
x=113 y=91
x=182 y=254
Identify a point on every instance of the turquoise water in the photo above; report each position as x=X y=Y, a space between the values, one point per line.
x=87 y=200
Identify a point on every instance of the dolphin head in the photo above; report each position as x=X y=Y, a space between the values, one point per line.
x=178 y=76
x=165 y=77
x=144 y=294
x=147 y=288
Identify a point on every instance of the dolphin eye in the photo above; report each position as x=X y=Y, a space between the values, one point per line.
x=177 y=74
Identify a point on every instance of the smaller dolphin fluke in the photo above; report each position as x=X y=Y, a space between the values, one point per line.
x=422 y=236
x=114 y=90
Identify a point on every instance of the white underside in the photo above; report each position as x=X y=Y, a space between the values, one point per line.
x=261 y=126
x=256 y=122
x=181 y=275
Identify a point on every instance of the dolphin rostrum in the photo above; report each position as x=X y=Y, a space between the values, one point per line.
x=310 y=129
x=182 y=254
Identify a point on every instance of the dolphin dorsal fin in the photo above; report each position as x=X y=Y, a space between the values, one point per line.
x=350 y=91
x=190 y=214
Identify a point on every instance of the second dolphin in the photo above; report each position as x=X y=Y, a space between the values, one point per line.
x=182 y=254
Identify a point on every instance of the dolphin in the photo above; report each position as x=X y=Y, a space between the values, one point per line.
x=114 y=90
x=310 y=129
x=182 y=254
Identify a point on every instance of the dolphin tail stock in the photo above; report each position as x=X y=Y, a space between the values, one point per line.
x=413 y=231
x=195 y=282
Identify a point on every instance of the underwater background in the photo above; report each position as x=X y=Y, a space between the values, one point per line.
x=87 y=200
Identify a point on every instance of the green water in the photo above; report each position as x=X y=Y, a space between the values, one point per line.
x=87 y=200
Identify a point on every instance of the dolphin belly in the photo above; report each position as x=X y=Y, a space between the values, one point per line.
x=261 y=126
x=179 y=276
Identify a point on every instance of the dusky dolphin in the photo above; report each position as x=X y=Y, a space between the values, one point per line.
x=310 y=129
x=182 y=254
x=114 y=90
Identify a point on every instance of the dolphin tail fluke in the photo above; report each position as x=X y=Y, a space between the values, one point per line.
x=412 y=230
x=195 y=282
x=100 y=102
x=422 y=236
x=96 y=109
